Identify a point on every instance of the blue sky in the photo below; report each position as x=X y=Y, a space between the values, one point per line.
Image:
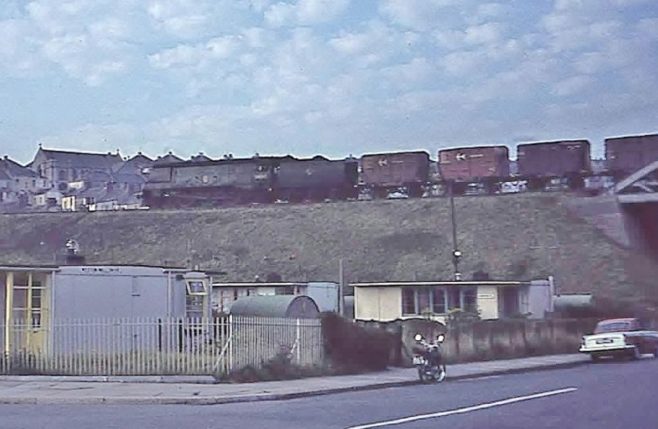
x=332 y=77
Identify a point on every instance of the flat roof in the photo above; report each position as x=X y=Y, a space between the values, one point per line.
x=442 y=283
x=46 y=268
x=58 y=267
x=256 y=284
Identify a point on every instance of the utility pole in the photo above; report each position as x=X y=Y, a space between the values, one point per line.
x=456 y=253
x=341 y=286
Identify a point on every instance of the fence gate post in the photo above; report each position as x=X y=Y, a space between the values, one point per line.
x=230 y=344
x=298 y=341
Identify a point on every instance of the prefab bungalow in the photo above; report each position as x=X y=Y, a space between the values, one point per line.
x=36 y=298
x=387 y=301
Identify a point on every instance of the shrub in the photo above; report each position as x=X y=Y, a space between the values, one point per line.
x=279 y=367
x=352 y=348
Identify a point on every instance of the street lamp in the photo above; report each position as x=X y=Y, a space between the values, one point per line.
x=456 y=253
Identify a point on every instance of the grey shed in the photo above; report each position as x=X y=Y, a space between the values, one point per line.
x=291 y=306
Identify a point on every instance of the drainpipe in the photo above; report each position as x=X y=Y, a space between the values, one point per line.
x=551 y=291
x=169 y=300
x=9 y=304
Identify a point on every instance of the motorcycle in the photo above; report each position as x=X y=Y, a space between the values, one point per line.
x=429 y=360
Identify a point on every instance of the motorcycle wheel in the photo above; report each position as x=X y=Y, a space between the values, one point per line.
x=441 y=375
x=421 y=375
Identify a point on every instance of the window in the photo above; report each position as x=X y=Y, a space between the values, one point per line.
x=469 y=300
x=454 y=298
x=36 y=307
x=284 y=290
x=439 y=301
x=424 y=297
x=194 y=306
x=408 y=301
x=196 y=287
x=28 y=300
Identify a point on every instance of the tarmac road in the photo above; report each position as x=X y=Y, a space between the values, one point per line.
x=609 y=395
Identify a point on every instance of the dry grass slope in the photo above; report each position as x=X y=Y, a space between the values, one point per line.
x=509 y=237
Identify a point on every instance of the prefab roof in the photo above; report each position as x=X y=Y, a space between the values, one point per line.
x=441 y=283
x=298 y=306
x=255 y=284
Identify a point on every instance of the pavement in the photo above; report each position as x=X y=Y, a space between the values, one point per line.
x=199 y=390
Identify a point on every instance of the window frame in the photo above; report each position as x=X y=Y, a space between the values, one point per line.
x=459 y=298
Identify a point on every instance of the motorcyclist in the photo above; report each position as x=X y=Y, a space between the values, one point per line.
x=431 y=353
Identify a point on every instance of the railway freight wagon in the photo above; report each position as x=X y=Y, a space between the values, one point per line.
x=384 y=173
x=209 y=183
x=474 y=163
x=559 y=164
x=315 y=179
x=626 y=155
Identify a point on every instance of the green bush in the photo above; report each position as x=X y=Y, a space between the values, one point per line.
x=351 y=348
x=279 y=367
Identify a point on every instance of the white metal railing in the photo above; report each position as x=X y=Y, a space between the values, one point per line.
x=158 y=346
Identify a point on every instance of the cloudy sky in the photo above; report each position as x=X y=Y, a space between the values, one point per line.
x=332 y=77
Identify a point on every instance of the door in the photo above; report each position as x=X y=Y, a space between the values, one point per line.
x=26 y=328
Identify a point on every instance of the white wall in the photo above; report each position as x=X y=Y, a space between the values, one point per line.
x=115 y=292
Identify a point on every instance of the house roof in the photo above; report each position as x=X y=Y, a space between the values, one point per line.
x=511 y=238
x=201 y=157
x=13 y=169
x=134 y=165
x=82 y=159
x=167 y=159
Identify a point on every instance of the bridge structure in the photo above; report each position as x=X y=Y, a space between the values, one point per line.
x=637 y=196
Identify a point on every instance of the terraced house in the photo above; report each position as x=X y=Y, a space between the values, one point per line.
x=18 y=184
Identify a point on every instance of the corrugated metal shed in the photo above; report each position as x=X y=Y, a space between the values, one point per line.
x=292 y=306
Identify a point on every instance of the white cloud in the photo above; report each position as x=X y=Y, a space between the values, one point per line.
x=491 y=10
x=315 y=11
x=648 y=27
x=304 y=12
x=18 y=50
x=414 y=72
x=591 y=62
x=572 y=85
x=461 y=63
x=352 y=43
x=419 y=15
x=218 y=48
x=484 y=34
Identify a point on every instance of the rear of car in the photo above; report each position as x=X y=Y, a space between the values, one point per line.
x=608 y=344
x=614 y=338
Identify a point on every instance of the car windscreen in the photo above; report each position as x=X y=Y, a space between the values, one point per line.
x=612 y=327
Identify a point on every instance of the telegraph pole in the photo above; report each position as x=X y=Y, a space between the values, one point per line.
x=456 y=253
x=341 y=286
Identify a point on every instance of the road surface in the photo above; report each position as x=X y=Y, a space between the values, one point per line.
x=595 y=396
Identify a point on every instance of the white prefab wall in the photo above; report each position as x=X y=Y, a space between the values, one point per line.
x=90 y=292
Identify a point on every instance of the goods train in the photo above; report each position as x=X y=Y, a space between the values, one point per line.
x=540 y=166
x=237 y=181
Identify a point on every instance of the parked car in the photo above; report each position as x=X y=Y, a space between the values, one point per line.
x=619 y=338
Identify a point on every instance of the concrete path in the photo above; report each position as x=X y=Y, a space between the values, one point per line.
x=152 y=390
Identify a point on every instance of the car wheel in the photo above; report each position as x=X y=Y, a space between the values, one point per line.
x=636 y=354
